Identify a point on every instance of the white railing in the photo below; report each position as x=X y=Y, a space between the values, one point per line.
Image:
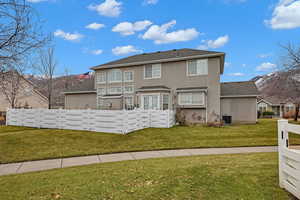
x=289 y=159
x=121 y=121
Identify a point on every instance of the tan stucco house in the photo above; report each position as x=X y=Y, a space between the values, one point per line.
x=281 y=107
x=27 y=96
x=185 y=80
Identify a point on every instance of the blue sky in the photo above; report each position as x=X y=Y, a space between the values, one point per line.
x=92 y=32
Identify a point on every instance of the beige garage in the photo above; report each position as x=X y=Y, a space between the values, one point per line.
x=239 y=101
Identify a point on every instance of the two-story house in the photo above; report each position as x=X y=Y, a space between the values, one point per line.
x=185 y=80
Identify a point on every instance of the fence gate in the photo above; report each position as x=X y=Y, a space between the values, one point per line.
x=289 y=159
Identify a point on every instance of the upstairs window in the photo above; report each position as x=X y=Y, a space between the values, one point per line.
x=128 y=76
x=191 y=99
x=197 y=67
x=115 y=90
x=101 y=77
x=152 y=71
x=128 y=89
x=115 y=75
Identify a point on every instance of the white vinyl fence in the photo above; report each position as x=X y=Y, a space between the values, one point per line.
x=121 y=121
x=289 y=159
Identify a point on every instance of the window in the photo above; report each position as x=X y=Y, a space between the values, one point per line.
x=165 y=101
x=128 y=76
x=150 y=102
x=152 y=71
x=101 y=91
x=115 y=90
x=101 y=77
x=115 y=75
x=128 y=89
x=197 y=67
x=191 y=99
x=129 y=103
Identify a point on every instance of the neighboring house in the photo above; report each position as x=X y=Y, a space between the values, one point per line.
x=185 y=80
x=279 y=106
x=27 y=96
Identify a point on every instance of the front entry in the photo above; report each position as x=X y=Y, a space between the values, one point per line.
x=150 y=101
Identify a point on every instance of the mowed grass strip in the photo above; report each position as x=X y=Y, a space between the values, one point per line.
x=23 y=144
x=239 y=176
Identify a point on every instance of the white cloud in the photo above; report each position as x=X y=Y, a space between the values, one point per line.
x=109 y=8
x=160 y=35
x=95 y=26
x=286 y=15
x=96 y=52
x=68 y=36
x=128 y=28
x=266 y=66
x=244 y=65
x=122 y=50
x=237 y=74
x=214 y=44
x=151 y=2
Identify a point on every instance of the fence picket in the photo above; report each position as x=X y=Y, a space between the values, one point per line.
x=289 y=159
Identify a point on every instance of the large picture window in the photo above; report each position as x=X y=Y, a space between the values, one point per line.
x=197 y=67
x=115 y=75
x=152 y=71
x=193 y=99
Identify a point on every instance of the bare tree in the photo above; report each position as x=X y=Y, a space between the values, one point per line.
x=47 y=66
x=12 y=83
x=20 y=31
x=291 y=74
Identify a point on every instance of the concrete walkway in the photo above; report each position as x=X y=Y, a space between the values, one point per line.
x=31 y=166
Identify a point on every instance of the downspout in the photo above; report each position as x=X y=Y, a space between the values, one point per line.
x=206 y=107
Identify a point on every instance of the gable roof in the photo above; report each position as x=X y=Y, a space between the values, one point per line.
x=245 y=88
x=162 y=56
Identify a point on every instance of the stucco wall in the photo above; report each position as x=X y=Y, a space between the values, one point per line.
x=26 y=96
x=242 y=110
x=173 y=76
x=80 y=101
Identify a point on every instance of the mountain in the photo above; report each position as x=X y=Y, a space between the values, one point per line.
x=278 y=85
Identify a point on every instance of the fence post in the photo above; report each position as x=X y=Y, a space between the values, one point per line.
x=125 y=118
x=6 y=117
x=282 y=143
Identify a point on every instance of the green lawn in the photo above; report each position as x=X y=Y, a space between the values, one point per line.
x=240 y=176
x=20 y=144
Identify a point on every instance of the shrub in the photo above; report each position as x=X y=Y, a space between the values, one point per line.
x=266 y=113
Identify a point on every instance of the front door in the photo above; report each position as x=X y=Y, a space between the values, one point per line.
x=150 y=102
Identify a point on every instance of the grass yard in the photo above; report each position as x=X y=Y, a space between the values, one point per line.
x=21 y=144
x=240 y=176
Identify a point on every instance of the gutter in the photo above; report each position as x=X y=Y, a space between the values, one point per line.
x=161 y=60
x=237 y=96
x=80 y=92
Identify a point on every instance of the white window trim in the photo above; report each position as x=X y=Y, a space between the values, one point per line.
x=152 y=73
x=150 y=94
x=99 y=89
x=99 y=82
x=179 y=99
x=187 y=68
x=109 y=81
x=130 y=81
x=128 y=92
x=109 y=90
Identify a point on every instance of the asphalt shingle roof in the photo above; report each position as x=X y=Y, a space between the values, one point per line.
x=239 y=88
x=159 y=55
